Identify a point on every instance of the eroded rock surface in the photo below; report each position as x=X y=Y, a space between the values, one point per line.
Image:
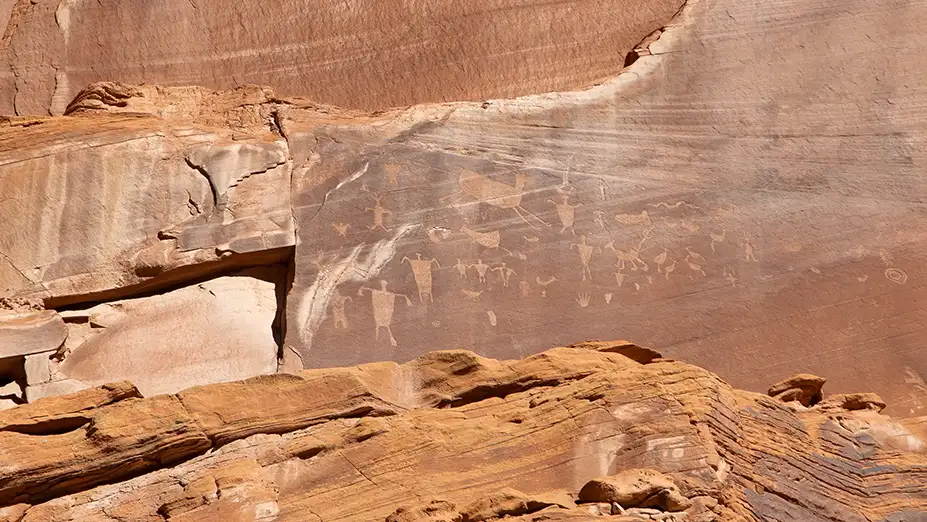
x=747 y=195
x=452 y=436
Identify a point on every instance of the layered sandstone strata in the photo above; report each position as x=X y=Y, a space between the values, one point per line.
x=577 y=433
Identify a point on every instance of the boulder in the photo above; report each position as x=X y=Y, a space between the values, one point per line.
x=636 y=488
x=804 y=388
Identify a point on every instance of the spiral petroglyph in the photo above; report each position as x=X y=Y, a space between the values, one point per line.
x=896 y=275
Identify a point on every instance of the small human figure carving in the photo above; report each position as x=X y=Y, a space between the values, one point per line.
x=392 y=173
x=717 y=238
x=603 y=189
x=599 y=218
x=504 y=272
x=384 y=303
x=338 y=304
x=620 y=278
x=481 y=269
x=566 y=212
x=461 y=268
x=421 y=271
x=379 y=213
x=525 y=287
x=585 y=255
x=749 y=249
x=730 y=276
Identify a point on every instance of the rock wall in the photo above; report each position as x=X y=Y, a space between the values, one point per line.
x=746 y=195
x=368 y=55
x=454 y=436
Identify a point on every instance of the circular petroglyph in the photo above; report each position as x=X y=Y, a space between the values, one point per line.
x=896 y=275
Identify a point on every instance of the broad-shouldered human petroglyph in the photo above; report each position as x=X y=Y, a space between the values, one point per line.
x=749 y=248
x=421 y=271
x=338 y=309
x=566 y=212
x=392 y=171
x=695 y=261
x=608 y=297
x=544 y=284
x=495 y=193
x=896 y=275
x=335 y=271
x=384 y=304
x=505 y=273
x=585 y=251
x=481 y=269
x=493 y=321
x=341 y=228
x=634 y=219
x=583 y=300
x=470 y=295
x=379 y=212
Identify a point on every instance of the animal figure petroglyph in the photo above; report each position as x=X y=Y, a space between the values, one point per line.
x=504 y=272
x=341 y=228
x=495 y=193
x=438 y=234
x=544 y=284
x=635 y=219
x=631 y=258
x=481 y=269
x=695 y=261
x=662 y=265
x=678 y=204
x=566 y=212
x=384 y=303
x=421 y=271
x=471 y=295
x=491 y=240
x=585 y=255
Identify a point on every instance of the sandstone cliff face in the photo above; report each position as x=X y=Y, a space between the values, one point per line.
x=747 y=195
x=369 y=55
x=452 y=436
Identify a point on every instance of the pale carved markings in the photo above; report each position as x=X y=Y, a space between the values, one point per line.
x=461 y=269
x=490 y=240
x=481 y=269
x=438 y=235
x=893 y=274
x=585 y=251
x=544 y=284
x=695 y=261
x=379 y=212
x=664 y=267
x=421 y=271
x=717 y=238
x=505 y=273
x=493 y=320
x=749 y=249
x=471 y=295
x=495 y=193
x=917 y=384
x=383 y=302
x=525 y=287
x=608 y=297
x=566 y=212
x=392 y=173
x=583 y=300
x=341 y=229
x=338 y=309
x=631 y=258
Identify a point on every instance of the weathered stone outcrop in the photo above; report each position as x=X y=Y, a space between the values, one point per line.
x=731 y=198
x=452 y=436
x=369 y=55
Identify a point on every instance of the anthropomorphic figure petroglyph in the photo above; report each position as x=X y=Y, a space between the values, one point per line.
x=470 y=295
x=525 y=287
x=392 y=173
x=505 y=273
x=341 y=228
x=379 y=213
x=383 y=302
x=620 y=278
x=585 y=255
x=338 y=309
x=695 y=261
x=749 y=249
x=461 y=268
x=566 y=212
x=603 y=189
x=481 y=269
x=495 y=193
x=421 y=271
x=717 y=238
x=730 y=276
x=599 y=219
x=544 y=284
